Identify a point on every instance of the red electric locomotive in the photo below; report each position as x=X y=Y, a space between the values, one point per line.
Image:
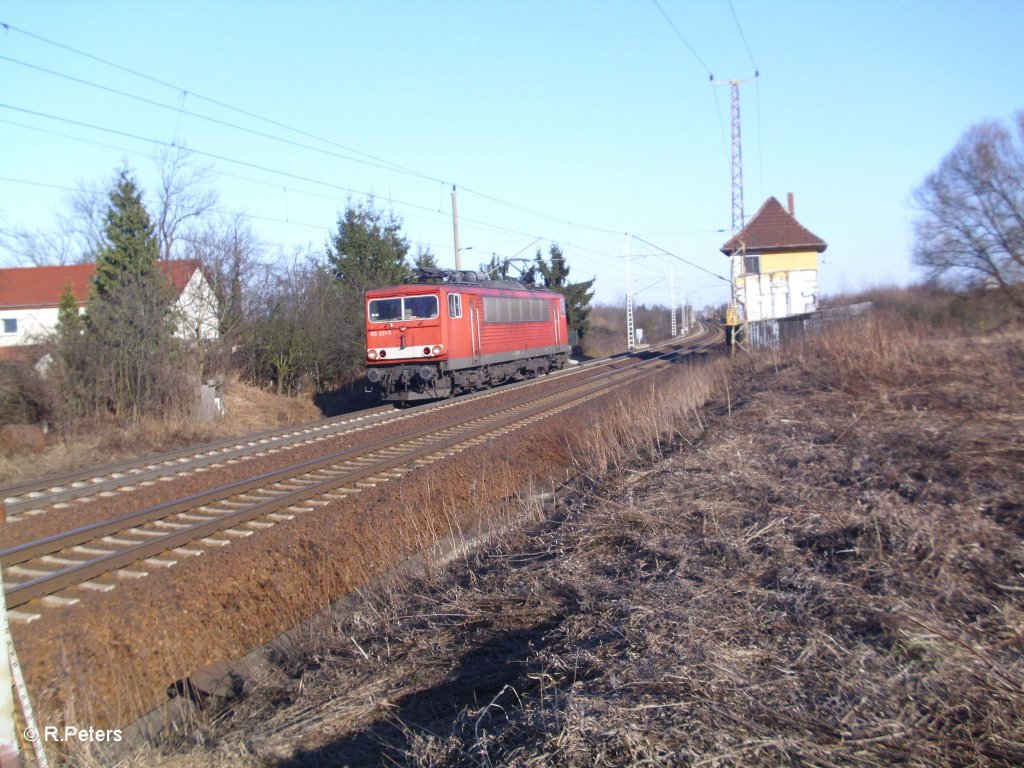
x=454 y=332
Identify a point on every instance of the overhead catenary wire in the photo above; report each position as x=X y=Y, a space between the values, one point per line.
x=222 y=158
x=182 y=94
x=473 y=223
x=308 y=225
x=680 y=258
x=757 y=95
x=654 y=281
x=178 y=89
x=179 y=110
x=756 y=78
x=262 y=168
x=59 y=134
x=371 y=160
x=743 y=37
x=684 y=41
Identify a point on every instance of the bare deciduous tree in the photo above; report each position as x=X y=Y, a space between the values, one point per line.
x=85 y=223
x=299 y=333
x=229 y=250
x=972 y=224
x=37 y=248
x=185 y=196
x=76 y=239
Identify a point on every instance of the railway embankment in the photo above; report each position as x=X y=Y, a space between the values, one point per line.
x=825 y=567
x=107 y=654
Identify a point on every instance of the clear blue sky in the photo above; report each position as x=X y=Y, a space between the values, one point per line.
x=572 y=121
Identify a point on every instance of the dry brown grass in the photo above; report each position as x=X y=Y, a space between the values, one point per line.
x=830 y=573
x=248 y=409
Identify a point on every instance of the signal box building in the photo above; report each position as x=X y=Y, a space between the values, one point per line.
x=780 y=264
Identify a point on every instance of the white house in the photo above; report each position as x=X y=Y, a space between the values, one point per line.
x=30 y=297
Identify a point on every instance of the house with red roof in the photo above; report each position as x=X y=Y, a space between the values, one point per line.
x=778 y=275
x=30 y=296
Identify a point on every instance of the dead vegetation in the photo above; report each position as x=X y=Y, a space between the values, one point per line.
x=248 y=409
x=829 y=572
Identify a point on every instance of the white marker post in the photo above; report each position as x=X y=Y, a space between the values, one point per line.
x=8 y=730
x=10 y=672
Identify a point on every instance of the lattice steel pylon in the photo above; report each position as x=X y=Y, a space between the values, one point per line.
x=672 y=298
x=736 y=315
x=737 y=149
x=630 y=327
x=737 y=159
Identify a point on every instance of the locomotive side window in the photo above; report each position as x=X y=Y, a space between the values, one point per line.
x=498 y=309
x=454 y=305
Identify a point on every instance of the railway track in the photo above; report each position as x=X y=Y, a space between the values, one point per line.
x=51 y=571
x=35 y=497
x=25 y=500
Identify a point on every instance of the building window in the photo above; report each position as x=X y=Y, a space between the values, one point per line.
x=454 y=305
x=752 y=265
x=10 y=325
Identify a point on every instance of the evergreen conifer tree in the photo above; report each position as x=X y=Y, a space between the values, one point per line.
x=555 y=277
x=129 y=326
x=368 y=250
x=69 y=322
x=131 y=248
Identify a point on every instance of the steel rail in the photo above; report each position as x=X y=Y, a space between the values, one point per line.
x=21 y=497
x=48 y=545
x=17 y=594
x=156 y=465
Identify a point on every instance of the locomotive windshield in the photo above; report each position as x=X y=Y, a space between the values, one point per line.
x=403 y=308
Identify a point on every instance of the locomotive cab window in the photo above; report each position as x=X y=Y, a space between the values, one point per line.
x=404 y=308
x=454 y=305
x=382 y=310
x=420 y=307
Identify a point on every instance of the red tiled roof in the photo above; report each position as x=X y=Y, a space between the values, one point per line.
x=773 y=228
x=33 y=287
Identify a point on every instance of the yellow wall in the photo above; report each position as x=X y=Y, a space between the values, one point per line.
x=773 y=262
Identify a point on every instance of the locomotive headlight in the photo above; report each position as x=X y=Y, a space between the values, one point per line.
x=383 y=353
x=426 y=351
x=437 y=350
x=371 y=354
